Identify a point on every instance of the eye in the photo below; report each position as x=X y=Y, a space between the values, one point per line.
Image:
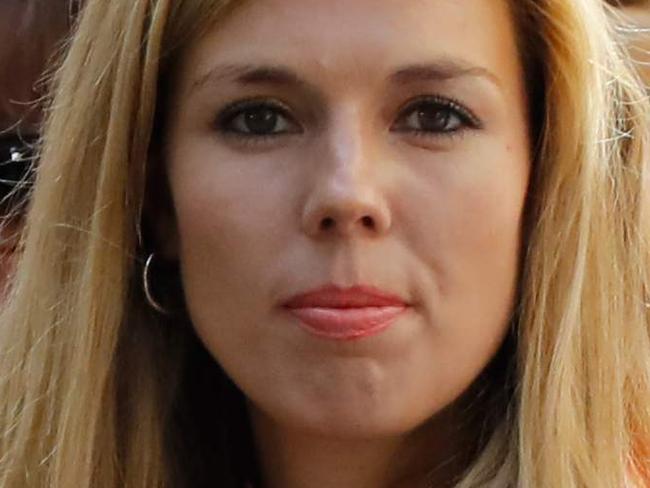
x=435 y=116
x=255 y=118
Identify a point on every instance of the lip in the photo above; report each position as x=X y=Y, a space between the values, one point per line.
x=346 y=313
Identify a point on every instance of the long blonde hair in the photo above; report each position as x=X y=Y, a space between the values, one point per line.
x=93 y=385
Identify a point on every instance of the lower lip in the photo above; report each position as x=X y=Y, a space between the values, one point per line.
x=347 y=323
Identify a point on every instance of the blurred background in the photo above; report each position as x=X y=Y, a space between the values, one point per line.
x=31 y=36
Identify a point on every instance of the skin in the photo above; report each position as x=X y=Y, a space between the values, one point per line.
x=348 y=192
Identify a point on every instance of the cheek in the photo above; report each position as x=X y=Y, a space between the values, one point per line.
x=463 y=219
x=232 y=229
x=226 y=207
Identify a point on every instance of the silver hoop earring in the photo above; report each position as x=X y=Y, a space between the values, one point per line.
x=147 y=290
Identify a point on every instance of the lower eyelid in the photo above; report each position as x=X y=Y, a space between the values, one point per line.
x=434 y=141
x=255 y=142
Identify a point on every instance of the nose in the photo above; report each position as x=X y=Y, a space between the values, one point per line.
x=346 y=197
x=346 y=209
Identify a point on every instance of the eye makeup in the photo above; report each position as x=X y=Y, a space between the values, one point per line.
x=263 y=120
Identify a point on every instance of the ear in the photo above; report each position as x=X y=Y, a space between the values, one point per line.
x=160 y=231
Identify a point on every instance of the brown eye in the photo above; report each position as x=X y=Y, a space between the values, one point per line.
x=256 y=119
x=431 y=118
x=435 y=116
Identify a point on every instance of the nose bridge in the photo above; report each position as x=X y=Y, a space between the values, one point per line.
x=347 y=141
x=346 y=197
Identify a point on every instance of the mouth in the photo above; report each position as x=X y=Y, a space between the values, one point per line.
x=347 y=313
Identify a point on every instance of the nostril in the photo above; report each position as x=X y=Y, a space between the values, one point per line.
x=368 y=222
x=327 y=223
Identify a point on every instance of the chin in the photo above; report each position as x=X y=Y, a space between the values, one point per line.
x=346 y=416
x=348 y=425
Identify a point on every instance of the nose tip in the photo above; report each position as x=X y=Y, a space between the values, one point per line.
x=347 y=219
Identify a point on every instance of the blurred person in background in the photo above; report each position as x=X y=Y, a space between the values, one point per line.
x=31 y=33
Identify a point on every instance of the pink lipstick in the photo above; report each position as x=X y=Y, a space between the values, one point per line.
x=346 y=313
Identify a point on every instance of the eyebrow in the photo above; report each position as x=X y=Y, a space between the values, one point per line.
x=247 y=74
x=443 y=70
x=250 y=74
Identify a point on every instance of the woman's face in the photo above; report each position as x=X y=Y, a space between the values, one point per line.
x=373 y=151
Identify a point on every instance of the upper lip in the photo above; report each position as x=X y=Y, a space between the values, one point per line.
x=357 y=296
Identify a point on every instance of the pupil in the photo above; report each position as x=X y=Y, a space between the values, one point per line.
x=261 y=121
x=433 y=120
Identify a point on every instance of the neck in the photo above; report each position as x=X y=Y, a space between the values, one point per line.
x=289 y=458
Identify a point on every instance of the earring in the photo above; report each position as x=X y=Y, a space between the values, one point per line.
x=147 y=290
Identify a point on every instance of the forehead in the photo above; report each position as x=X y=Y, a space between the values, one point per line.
x=361 y=37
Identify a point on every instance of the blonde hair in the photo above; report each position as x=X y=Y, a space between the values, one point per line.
x=93 y=384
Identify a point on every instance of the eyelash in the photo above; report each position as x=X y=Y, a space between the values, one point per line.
x=228 y=115
x=233 y=110
x=468 y=120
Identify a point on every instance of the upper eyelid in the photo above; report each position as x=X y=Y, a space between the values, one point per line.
x=236 y=107
x=446 y=102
